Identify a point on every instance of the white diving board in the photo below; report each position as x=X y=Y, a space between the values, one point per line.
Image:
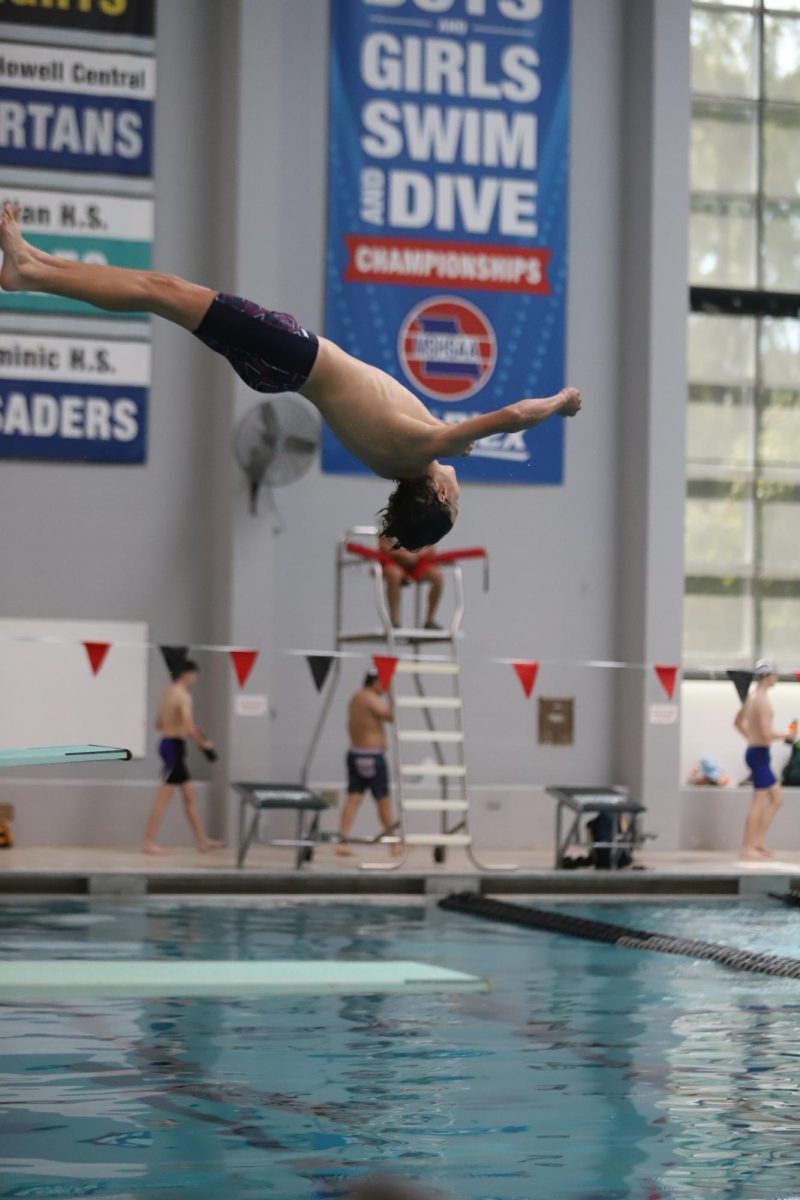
x=60 y=979
x=55 y=756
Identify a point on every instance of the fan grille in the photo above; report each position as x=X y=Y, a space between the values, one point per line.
x=277 y=440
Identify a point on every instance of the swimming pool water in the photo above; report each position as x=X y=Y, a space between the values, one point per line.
x=590 y=1072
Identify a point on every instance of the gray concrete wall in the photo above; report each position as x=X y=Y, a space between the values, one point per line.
x=91 y=541
x=241 y=190
x=552 y=549
x=652 y=417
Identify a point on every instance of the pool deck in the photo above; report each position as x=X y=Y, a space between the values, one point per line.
x=113 y=871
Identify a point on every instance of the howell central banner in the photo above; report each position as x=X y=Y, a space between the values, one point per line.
x=69 y=109
x=447 y=211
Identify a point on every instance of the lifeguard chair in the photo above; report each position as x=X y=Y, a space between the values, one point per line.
x=430 y=793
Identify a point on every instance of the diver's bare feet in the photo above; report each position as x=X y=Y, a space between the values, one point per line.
x=764 y=852
x=152 y=848
x=343 y=850
x=19 y=271
x=211 y=844
x=752 y=854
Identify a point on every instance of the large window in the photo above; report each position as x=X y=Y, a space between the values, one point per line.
x=742 y=555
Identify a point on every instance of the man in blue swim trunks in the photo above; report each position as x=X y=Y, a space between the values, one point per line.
x=378 y=420
x=367 y=716
x=755 y=723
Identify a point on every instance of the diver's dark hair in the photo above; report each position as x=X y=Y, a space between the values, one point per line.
x=184 y=667
x=370 y=678
x=415 y=516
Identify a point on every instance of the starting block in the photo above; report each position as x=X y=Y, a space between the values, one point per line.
x=257 y=800
x=575 y=803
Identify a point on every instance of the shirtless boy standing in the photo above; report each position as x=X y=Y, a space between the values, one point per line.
x=377 y=419
x=366 y=758
x=754 y=721
x=175 y=723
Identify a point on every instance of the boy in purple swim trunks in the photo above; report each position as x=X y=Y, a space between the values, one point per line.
x=377 y=419
x=755 y=722
x=175 y=722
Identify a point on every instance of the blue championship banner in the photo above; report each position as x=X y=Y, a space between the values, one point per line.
x=76 y=110
x=447 y=211
x=73 y=399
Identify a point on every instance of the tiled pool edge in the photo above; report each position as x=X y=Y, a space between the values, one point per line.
x=94 y=882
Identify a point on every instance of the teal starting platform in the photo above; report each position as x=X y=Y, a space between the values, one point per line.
x=62 y=756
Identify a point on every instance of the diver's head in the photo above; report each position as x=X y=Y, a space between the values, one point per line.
x=421 y=511
x=186 y=673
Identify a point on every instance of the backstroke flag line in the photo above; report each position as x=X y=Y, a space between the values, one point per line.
x=447 y=211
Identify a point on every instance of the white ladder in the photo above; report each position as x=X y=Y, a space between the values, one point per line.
x=428 y=745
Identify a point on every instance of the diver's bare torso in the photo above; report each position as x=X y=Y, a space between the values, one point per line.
x=174 y=718
x=378 y=420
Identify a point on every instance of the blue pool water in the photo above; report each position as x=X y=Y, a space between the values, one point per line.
x=590 y=1072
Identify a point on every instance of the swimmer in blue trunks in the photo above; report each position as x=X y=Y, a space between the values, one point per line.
x=367 y=715
x=378 y=420
x=755 y=722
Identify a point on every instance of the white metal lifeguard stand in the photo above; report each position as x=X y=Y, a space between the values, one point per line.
x=430 y=794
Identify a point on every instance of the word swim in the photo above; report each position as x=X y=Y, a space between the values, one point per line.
x=62 y=128
x=89 y=418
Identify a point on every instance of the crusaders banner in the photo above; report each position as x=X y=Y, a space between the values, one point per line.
x=447 y=211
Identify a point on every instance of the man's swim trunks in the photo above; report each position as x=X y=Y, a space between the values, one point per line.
x=757 y=759
x=173 y=756
x=367 y=771
x=270 y=351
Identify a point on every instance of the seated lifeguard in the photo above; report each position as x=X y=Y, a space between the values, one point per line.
x=378 y=420
x=397 y=574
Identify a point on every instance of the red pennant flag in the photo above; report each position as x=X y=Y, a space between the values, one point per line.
x=97 y=652
x=243 y=663
x=385 y=667
x=797 y=676
x=527 y=672
x=666 y=677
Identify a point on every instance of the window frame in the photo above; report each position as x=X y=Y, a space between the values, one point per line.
x=761 y=304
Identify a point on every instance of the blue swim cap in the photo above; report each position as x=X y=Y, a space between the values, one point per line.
x=710 y=768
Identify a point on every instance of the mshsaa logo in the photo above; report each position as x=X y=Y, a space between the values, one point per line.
x=447 y=348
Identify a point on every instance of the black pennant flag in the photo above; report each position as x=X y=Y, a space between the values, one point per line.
x=741 y=680
x=174 y=657
x=320 y=665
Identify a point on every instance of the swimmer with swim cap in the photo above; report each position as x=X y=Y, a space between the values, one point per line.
x=379 y=421
x=755 y=721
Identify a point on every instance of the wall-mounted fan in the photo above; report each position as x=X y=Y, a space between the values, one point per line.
x=275 y=443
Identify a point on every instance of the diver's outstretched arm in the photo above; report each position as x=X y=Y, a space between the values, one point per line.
x=454 y=440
